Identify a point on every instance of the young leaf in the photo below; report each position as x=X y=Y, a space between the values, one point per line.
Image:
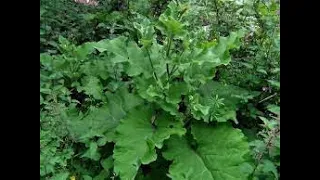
x=145 y=29
x=152 y=92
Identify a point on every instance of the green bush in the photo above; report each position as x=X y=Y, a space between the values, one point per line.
x=131 y=93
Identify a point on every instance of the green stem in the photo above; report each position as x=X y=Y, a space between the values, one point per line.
x=174 y=67
x=154 y=72
x=173 y=70
x=168 y=53
x=168 y=73
x=169 y=46
x=115 y=73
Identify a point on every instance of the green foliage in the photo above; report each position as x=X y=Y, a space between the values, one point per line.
x=126 y=93
x=77 y=22
x=218 y=102
x=266 y=149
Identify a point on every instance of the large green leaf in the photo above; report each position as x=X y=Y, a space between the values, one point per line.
x=101 y=122
x=201 y=63
x=176 y=90
x=137 y=138
x=95 y=67
x=133 y=57
x=158 y=170
x=84 y=50
x=116 y=46
x=138 y=61
x=219 y=154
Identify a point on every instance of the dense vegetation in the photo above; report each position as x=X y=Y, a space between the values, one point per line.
x=157 y=89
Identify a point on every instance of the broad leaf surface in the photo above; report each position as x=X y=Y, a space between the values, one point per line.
x=137 y=138
x=219 y=154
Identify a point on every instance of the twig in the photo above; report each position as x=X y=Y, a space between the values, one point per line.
x=269 y=97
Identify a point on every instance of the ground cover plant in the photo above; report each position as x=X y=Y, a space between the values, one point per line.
x=156 y=89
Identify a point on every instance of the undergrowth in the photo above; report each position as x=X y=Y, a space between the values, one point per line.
x=154 y=89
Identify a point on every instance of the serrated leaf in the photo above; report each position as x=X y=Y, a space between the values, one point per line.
x=266 y=167
x=270 y=124
x=137 y=138
x=218 y=156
